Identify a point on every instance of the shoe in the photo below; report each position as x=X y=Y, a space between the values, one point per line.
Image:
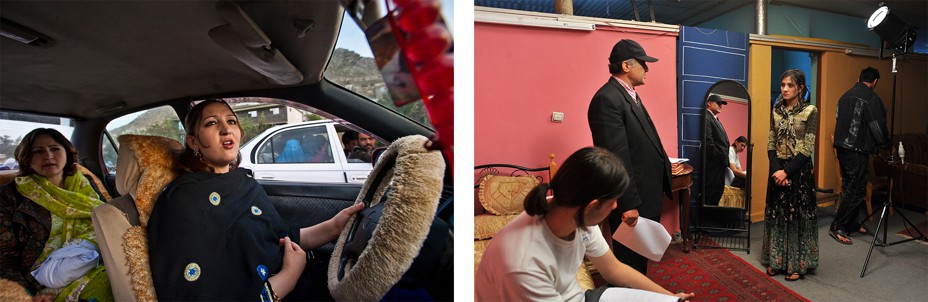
x=771 y=272
x=794 y=276
x=835 y=233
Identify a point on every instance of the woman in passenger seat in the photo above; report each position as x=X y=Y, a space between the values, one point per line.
x=214 y=234
x=47 y=244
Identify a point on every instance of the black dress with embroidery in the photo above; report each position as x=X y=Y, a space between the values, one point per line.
x=790 y=240
x=215 y=237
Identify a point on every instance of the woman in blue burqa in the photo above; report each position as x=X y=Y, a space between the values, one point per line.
x=293 y=152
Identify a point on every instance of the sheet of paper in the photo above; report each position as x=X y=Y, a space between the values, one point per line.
x=674 y=160
x=648 y=238
x=635 y=295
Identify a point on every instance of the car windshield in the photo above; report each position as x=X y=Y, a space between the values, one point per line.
x=353 y=67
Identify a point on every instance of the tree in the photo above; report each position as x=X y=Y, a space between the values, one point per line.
x=312 y=117
x=8 y=146
x=250 y=129
x=166 y=128
x=415 y=110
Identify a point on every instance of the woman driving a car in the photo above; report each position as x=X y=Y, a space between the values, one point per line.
x=214 y=234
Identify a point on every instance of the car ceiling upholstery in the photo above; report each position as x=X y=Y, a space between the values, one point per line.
x=141 y=53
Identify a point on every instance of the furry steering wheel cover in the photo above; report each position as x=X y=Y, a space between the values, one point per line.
x=411 y=205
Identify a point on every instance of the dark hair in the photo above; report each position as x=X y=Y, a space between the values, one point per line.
x=189 y=162
x=588 y=174
x=616 y=68
x=869 y=75
x=799 y=78
x=740 y=139
x=348 y=136
x=23 y=152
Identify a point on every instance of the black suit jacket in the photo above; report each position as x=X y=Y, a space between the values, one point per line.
x=619 y=125
x=716 y=148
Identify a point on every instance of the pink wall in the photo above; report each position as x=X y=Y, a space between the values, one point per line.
x=523 y=74
x=734 y=118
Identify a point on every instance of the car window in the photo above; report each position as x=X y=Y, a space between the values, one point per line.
x=302 y=145
x=353 y=67
x=160 y=121
x=288 y=141
x=15 y=125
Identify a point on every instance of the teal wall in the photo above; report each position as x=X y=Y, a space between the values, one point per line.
x=800 y=22
x=781 y=60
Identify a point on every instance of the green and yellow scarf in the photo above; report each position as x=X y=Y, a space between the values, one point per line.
x=70 y=206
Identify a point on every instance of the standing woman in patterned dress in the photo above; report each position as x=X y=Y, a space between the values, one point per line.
x=790 y=218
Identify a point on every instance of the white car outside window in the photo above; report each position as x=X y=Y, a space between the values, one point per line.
x=304 y=152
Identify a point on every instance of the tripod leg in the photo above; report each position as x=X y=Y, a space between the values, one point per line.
x=909 y=225
x=868 y=218
x=875 y=235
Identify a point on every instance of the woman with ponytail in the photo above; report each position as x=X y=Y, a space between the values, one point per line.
x=537 y=255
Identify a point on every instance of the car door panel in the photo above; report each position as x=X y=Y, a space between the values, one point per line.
x=303 y=205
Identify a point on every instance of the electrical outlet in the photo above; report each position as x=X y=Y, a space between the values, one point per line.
x=557 y=117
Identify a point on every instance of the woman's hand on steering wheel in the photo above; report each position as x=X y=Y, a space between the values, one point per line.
x=341 y=219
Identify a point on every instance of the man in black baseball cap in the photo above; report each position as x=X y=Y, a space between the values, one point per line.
x=716 y=147
x=628 y=49
x=714 y=104
x=715 y=98
x=621 y=124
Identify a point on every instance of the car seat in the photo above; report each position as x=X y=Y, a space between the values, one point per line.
x=145 y=165
x=317 y=150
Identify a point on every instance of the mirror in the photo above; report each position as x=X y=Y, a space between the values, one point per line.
x=725 y=162
x=724 y=146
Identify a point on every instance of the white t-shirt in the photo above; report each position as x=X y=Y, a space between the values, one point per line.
x=734 y=159
x=527 y=262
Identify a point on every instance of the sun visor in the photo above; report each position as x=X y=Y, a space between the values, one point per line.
x=245 y=41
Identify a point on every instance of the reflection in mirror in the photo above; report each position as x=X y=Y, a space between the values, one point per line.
x=724 y=145
x=726 y=153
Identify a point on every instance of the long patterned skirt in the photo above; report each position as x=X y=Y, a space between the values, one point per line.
x=791 y=224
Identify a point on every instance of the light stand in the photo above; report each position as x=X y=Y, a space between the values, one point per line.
x=888 y=203
x=900 y=42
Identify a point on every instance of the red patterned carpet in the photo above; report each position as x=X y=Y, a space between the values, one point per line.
x=909 y=233
x=716 y=275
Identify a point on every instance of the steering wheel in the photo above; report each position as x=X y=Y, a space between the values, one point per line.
x=379 y=244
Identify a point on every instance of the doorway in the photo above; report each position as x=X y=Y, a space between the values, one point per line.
x=782 y=59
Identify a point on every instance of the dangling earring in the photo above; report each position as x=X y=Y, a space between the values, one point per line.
x=196 y=153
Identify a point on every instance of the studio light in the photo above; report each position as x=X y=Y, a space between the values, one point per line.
x=898 y=35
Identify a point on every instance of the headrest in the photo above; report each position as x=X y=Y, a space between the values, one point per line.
x=145 y=165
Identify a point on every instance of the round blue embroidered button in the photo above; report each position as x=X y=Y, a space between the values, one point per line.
x=192 y=272
x=262 y=272
x=214 y=198
x=255 y=210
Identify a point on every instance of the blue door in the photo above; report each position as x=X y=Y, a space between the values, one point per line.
x=704 y=56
